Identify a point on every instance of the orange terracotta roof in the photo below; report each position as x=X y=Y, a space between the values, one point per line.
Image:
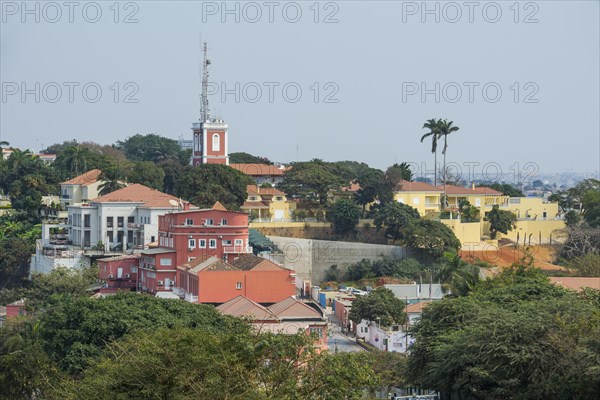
x=241 y=306
x=254 y=205
x=207 y=263
x=487 y=190
x=137 y=193
x=292 y=308
x=249 y=262
x=451 y=189
x=416 y=307
x=354 y=187
x=576 y=283
x=253 y=189
x=218 y=206
x=84 y=179
x=407 y=186
x=259 y=169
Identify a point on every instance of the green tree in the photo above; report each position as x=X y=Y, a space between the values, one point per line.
x=369 y=181
x=572 y=218
x=193 y=363
x=173 y=171
x=380 y=305
x=500 y=221
x=445 y=128
x=344 y=215
x=586 y=265
x=148 y=174
x=434 y=133
x=246 y=158
x=204 y=185
x=515 y=336
x=395 y=217
x=591 y=208
x=114 y=177
x=391 y=181
x=151 y=147
x=312 y=180
x=433 y=237
x=468 y=212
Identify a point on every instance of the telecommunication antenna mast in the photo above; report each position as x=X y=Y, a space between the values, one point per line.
x=204 y=111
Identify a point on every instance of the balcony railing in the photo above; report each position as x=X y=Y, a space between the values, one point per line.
x=237 y=249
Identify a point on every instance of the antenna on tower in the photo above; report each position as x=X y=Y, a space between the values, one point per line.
x=204 y=111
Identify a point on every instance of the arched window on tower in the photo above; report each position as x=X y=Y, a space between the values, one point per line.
x=216 y=142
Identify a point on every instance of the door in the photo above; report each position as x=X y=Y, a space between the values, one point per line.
x=279 y=215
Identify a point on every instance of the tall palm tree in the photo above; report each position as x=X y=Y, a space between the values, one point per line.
x=433 y=127
x=75 y=159
x=444 y=129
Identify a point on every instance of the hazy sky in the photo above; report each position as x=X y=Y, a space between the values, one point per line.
x=521 y=81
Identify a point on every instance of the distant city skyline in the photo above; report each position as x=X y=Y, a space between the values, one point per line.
x=522 y=83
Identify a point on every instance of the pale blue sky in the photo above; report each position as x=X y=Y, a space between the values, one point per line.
x=374 y=55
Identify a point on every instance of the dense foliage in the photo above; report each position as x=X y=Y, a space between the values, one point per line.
x=380 y=305
x=516 y=336
x=129 y=345
x=204 y=185
x=500 y=221
x=344 y=215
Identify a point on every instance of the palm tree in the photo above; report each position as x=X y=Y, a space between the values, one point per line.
x=433 y=127
x=75 y=159
x=444 y=129
x=112 y=178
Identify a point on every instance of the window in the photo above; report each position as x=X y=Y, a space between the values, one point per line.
x=109 y=222
x=316 y=331
x=110 y=235
x=191 y=259
x=86 y=220
x=120 y=222
x=239 y=242
x=189 y=221
x=477 y=202
x=416 y=201
x=279 y=198
x=191 y=243
x=223 y=221
x=238 y=285
x=209 y=222
x=253 y=198
x=130 y=220
x=165 y=262
x=202 y=243
x=226 y=242
x=216 y=142
x=212 y=243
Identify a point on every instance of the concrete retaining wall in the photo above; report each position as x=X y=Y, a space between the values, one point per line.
x=311 y=258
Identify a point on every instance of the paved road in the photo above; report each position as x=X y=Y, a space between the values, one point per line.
x=337 y=340
x=342 y=343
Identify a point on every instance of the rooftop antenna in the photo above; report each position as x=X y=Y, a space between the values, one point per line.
x=204 y=111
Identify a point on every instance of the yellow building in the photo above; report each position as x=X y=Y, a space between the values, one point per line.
x=268 y=204
x=477 y=196
x=536 y=220
x=425 y=198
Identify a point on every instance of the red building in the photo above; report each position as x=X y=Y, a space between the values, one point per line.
x=16 y=309
x=119 y=273
x=189 y=235
x=212 y=280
